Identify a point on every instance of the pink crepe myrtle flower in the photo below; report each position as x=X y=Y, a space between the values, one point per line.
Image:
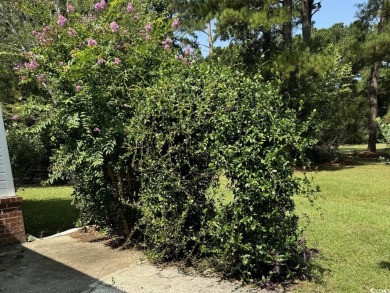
x=100 y=61
x=69 y=8
x=61 y=21
x=148 y=27
x=72 y=32
x=33 y=64
x=15 y=118
x=130 y=8
x=167 y=43
x=41 y=77
x=117 y=61
x=40 y=37
x=176 y=23
x=180 y=57
x=46 y=29
x=148 y=37
x=78 y=88
x=188 y=51
x=96 y=130
x=100 y=5
x=91 y=42
x=114 y=27
x=43 y=37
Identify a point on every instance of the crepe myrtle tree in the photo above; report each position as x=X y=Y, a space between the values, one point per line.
x=92 y=64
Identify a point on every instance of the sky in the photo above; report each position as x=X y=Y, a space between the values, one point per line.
x=331 y=12
x=335 y=11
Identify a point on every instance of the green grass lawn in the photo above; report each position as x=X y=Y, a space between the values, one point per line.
x=350 y=226
x=47 y=210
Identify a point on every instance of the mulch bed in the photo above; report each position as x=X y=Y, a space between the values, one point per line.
x=92 y=234
x=89 y=234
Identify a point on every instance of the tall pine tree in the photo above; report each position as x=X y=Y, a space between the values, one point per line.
x=374 y=17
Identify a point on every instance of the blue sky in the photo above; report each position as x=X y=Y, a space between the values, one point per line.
x=331 y=12
x=334 y=11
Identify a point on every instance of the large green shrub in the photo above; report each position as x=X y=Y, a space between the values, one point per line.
x=257 y=141
x=146 y=131
x=168 y=133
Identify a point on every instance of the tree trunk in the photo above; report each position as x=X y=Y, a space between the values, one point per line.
x=385 y=14
x=306 y=9
x=373 y=91
x=373 y=99
x=267 y=36
x=210 y=38
x=287 y=26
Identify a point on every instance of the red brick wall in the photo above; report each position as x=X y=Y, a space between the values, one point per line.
x=11 y=221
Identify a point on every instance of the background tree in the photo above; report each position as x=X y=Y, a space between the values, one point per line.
x=365 y=44
x=375 y=16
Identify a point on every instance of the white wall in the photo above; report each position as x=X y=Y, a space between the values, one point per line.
x=6 y=181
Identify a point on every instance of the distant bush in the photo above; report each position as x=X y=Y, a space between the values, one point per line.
x=28 y=156
x=384 y=131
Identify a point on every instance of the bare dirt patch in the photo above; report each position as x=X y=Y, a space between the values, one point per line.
x=89 y=234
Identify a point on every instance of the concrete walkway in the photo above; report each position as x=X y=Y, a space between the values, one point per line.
x=66 y=264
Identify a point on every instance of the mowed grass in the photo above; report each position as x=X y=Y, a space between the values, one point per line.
x=350 y=225
x=47 y=210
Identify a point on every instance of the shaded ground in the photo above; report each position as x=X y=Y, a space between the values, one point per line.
x=348 y=158
x=83 y=263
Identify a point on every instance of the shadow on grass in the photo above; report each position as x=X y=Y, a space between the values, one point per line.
x=47 y=217
x=384 y=265
x=346 y=161
x=317 y=269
